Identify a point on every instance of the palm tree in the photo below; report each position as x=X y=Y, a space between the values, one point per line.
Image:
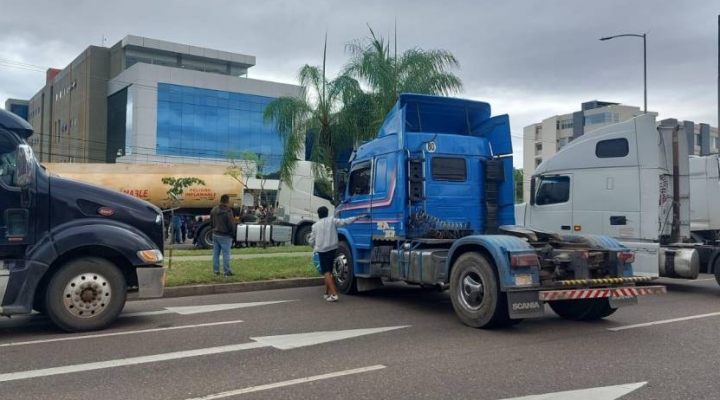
x=315 y=114
x=387 y=75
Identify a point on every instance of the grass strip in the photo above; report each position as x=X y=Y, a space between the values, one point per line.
x=200 y=272
x=243 y=250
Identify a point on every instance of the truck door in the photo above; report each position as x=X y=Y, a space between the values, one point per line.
x=552 y=208
x=16 y=229
x=359 y=201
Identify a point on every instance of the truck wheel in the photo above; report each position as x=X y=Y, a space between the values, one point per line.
x=716 y=268
x=85 y=294
x=303 y=235
x=600 y=310
x=205 y=239
x=343 y=272
x=582 y=310
x=476 y=295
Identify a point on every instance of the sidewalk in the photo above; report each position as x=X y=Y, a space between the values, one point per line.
x=239 y=256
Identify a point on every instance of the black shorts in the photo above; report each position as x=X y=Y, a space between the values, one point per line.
x=327 y=259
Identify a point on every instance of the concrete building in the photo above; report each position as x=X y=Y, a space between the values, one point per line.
x=18 y=107
x=152 y=101
x=542 y=140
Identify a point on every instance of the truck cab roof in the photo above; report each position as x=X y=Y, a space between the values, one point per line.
x=15 y=124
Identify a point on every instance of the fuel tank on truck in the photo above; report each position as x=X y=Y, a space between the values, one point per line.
x=144 y=181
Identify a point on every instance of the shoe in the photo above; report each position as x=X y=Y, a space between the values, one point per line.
x=229 y=274
x=332 y=298
x=216 y=272
x=325 y=296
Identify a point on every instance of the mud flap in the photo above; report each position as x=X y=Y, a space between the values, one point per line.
x=622 y=301
x=525 y=304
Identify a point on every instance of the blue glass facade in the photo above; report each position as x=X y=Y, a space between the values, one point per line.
x=20 y=110
x=197 y=122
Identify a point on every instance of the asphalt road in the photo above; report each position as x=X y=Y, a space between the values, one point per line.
x=181 y=349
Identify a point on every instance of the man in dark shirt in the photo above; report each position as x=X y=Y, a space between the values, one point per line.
x=223 y=227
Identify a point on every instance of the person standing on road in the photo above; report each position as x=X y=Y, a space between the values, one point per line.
x=223 y=226
x=177 y=224
x=324 y=239
x=184 y=228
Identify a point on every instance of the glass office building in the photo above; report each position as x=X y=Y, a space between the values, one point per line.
x=205 y=123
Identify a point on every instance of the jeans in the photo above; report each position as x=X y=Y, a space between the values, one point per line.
x=221 y=243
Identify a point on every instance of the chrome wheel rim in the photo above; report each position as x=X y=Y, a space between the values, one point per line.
x=340 y=268
x=87 y=295
x=472 y=291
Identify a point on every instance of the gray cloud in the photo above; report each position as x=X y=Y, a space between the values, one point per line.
x=529 y=59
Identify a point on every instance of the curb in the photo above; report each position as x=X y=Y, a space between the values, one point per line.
x=221 y=288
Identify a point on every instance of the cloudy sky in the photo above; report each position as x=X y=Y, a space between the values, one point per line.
x=528 y=59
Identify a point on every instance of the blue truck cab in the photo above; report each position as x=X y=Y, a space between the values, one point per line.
x=438 y=185
x=70 y=250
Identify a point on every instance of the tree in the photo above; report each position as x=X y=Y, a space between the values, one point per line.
x=518 y=177
x=386 y=73
x=317 y=112
x=176 y=190
x=248 y=165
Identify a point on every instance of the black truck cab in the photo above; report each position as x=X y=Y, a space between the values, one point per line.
x=69 y=249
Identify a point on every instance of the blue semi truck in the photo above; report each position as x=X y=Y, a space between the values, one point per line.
x=438 y=185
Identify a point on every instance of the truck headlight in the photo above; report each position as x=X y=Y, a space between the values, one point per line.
x=150 y=256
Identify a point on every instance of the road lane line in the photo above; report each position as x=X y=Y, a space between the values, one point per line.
x=664 y=321
x=102 y=335
x=299 y=381
x=701 y=280
x=16 y=376
x=280 y=342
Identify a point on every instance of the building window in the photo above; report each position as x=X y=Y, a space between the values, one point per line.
x=612 y=148
x=562 y=142
x=715 y=143
x=553 y=190
x=196 y=122
x=698 y=140
x=598 y=119
x=538 y=162
x=450 y=169
x=538 y=146
x=566 y=124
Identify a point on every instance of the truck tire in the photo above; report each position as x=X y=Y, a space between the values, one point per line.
x=302 y=238
x=716 y=268
x=601 y=309
x=343 y=271
x=582 y=310
x=86 y=294
x=205 y=237
x=476 y=295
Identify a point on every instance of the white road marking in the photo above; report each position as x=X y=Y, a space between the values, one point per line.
x=276 y=385
x=664 y=321
x=190 y=310
x=171 y=328
x=16 y=376
x=282 y=342
x=598 y=393
x=701 y=280
x=287 y=342
x=220 y=307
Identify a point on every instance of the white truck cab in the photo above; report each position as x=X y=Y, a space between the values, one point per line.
x=627 y=181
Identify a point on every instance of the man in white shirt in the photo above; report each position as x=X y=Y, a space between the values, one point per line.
x=324 y=239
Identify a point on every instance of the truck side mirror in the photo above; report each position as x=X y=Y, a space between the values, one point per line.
x=24 y=166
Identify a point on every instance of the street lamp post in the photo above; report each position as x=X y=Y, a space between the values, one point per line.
x=644 y=38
